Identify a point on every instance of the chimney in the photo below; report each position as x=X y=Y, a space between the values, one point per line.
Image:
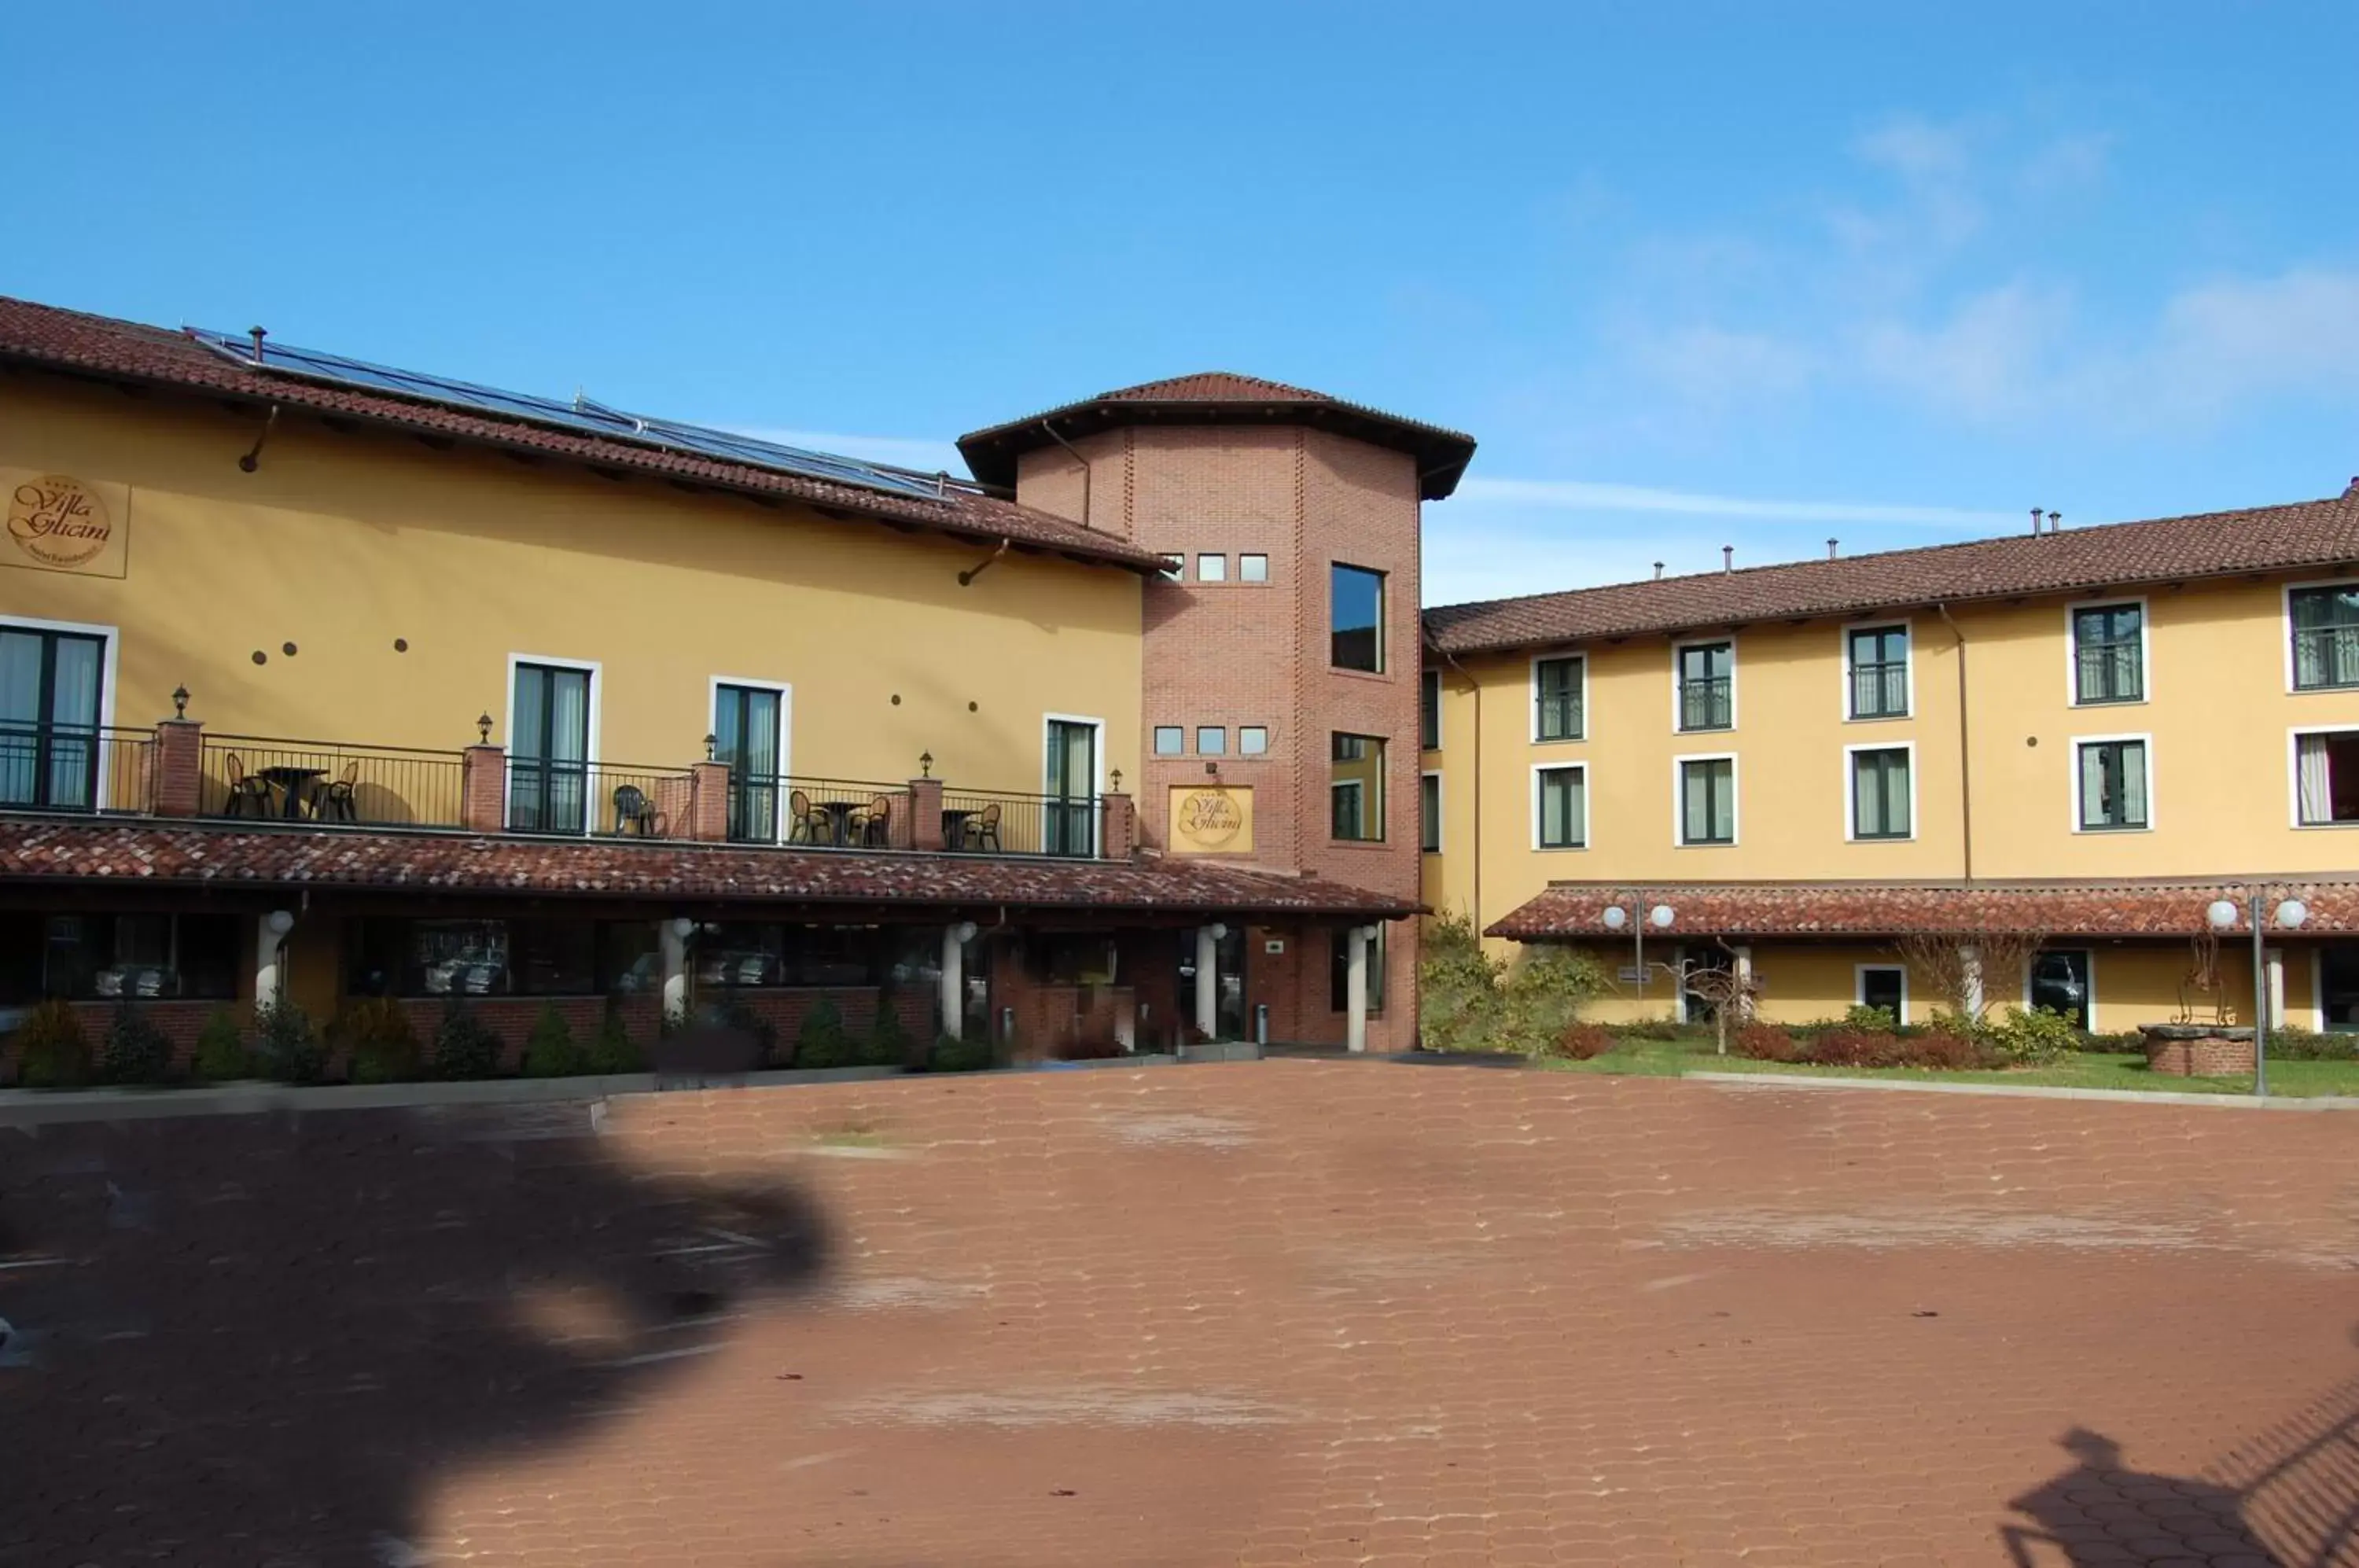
x=1658 y=571
x=2354 y=486
x=258 y=335
x=2055 y=522
x=1727 y=559
x=2034 y=519
x=1831 y=547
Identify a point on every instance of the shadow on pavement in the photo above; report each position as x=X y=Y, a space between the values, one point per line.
x=263 y=1339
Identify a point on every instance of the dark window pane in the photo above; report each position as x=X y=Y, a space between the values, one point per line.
x=553 y=957
x=2060 y=982
x=1357 y=617
x=1429 y=711
x=211 y=948
x=1884 y=988
x=2108 y=654
x=1356 y=788
x=1557 y=691
x=1707 y=686
x=1339 y=971
x=2325 y=638
x=1428 y=804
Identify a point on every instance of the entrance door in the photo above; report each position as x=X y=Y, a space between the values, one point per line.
x=2338 y=986
x=1228 y=984
x=548 y=770
x=745 y=736
x=48 y=718
x=1068 y=815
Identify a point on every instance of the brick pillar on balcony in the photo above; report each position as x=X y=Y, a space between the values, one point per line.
x=926 y=813
x=708 y=803
x=484 y=789
x=1118 y=838
x=177 y=787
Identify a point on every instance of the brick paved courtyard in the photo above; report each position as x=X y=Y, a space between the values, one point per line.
x=1268 y=1314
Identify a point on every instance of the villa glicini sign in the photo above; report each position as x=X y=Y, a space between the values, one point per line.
x=1214 y=819
x=57 y=523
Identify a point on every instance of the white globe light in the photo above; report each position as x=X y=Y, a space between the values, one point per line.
x=1218 y=930
x=682 y=927
x=1615 y=917
x=2293 y=912
x=279 y=921
x=965 y=929
x=2221 y=914
x=1662 y=916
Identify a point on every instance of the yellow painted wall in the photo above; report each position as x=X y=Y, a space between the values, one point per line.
x=341 y=543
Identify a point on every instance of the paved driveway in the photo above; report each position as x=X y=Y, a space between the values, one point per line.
x=1270 y=1313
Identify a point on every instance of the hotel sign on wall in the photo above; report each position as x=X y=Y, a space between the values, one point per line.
x=1211 y=819
x=58 y=523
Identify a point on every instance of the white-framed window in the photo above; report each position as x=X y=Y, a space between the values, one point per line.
x=1429 y=812
x=753 y=723
x=2113 y=783
x=1560 y=697
x=2321 y=635
x=1561 y=806
x=1072 y=777
x=1882 y=986
x=1253 y=740
x=1212 y=569
x=1879 y=683
x=1704 y=798
x=1212 y=740
x=1170 y=740
x=1880 y=792
x=2107 y=652
x=57 y=702
x=2064 y=981
x=2325 y=764
x=552 y=742
x=1355 y=788
x=1252 y=567
x=1703 y=685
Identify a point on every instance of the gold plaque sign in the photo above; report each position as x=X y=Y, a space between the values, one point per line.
x=57 y=523
x=1211 y=819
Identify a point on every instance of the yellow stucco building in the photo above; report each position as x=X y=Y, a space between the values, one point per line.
x=2084 y=736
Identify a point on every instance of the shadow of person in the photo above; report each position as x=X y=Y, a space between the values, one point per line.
x=2098 y=1511
x=263 y=1339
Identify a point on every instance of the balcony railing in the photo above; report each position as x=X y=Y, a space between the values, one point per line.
x=264 y=778
x=987 y=822
x=1705 y=704
x=828 y=813
x=1879 y=691
x=599 y=800
x=2325 y=656
x=75 y=767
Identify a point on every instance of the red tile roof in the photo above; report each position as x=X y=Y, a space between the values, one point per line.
x=73 y=342
x=1572 y=910
x=2303 y=535
x=1223 y=396
x=46 y=849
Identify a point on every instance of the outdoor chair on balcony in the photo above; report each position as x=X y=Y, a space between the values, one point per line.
x=872 y=827
x=245 y=790
x=635 y=814
x=335 y=801
x=806 y=824
x=983 y=827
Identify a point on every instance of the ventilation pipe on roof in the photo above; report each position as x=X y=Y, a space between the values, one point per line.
x=2055 y=522
x=2034 y=519
x=258 y=335
x=1831 y=547
x=1658 y=571
x=1727 y=559
x=2354 y=486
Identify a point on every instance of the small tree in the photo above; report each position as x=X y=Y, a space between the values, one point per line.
x=1968 y=969
x=1460 y=1006
x=1724 y=989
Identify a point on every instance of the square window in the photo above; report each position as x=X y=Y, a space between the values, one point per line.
x=2109 y=654
x=1175 y=567
x=1879 y=672
x=1356 y=788
x=1708 y=799
x=1212 y=740
x=1879 y=793
x=2325 y=638
x=1212 y=569
x=1885 y=986
x=1707 y=675
x=1429 y=812
x=2113 y=784
x=2060 y=982
x=1356 y=619
x=1563 y=820
x=2326 y=777
x=1428 y=709
x=1556 y=697
x=1253 y=569
x=1170 y=740
x=1252 y=739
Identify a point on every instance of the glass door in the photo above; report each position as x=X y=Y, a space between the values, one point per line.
x=745 y=736
x=48 y=718
x=549 y=765
x=1069 y=813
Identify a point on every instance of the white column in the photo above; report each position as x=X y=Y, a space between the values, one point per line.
x=1356 y=990
x=672 y=942
x=1743 y=983
x=2274 y=958
x=953 y=986
x=1970 y=965
x=1208 y=980
x=269 y=956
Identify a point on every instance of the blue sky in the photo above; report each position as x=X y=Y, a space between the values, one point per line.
x=1695 y=275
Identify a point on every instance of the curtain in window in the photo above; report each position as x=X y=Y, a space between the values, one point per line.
x=73 y=710
x=2093 y=794
x=1561 y=808
x=2132 y=757
x=21 y=709
x=2313 y=779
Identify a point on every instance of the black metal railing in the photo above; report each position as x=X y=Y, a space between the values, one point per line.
x=604 y=799
x=988 y=821
x=2325 y=656
x=1559 y=715
x=839 y=813
x=1706 y=703
x=1879 y=691
x=76 y=767
x=264 y=778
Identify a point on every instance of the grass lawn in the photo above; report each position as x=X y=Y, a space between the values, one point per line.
x=2090 y=1070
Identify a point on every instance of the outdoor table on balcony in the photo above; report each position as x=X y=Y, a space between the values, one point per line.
x=294 y=783
x=839 y=817
x=954 y=829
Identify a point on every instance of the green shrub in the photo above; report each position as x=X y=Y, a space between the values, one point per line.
x=1459 y=1006
x=1544 y=993
x=221 y=1055
x=2042 y=1034
x=1582 y=1043
x=291 y=1049
x=464 y=1046
x=2306 y=1045
x=380 y=1046
x=735 y=1013
x=888 y=1044
x=950 y=1055
x=1878 y=1020
x=135 y=1052
x=1662 y=1030
x=821 y=1041
x=52 y=1050
x=612 y=1050
x=550 y=1051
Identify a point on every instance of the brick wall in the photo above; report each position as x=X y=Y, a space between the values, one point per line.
x=181 y=1021
x=510 y=1018
x=784 y=1009
x=2207 y=1057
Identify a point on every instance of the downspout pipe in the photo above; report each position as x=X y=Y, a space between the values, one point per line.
x=1965 y=750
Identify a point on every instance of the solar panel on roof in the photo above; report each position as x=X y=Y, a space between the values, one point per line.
x=580 y=415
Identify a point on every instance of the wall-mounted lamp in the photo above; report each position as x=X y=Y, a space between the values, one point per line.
x=682 y=927
x=180 y=701
x=964 y=931
x=1117 y=780
x=483 y=729
x=925 y=764
x=711 y=740
x=278 y=922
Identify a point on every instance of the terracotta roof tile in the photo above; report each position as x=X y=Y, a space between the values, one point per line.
x=39 y=849
x=2299 y=535
x=100 y=345
x=1215 y=386
x=1567 y=910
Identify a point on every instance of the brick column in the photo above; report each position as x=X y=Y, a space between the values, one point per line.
x=1118 y=836
x=483 y=789
x=926 y=813
x=177 y=768
x=708 y=803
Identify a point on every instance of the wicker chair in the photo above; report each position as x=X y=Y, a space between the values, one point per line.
x=872 y=827
x=983 y=827
x=245 y=788
x=335 y=801
x=806 y=823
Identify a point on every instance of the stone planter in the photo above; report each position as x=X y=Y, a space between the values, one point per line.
x=2198 y=1050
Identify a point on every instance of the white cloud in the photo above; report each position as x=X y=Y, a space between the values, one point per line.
x=2067 y=166
x=2246 y=337
x=1986 y=360
x=1582 y=496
